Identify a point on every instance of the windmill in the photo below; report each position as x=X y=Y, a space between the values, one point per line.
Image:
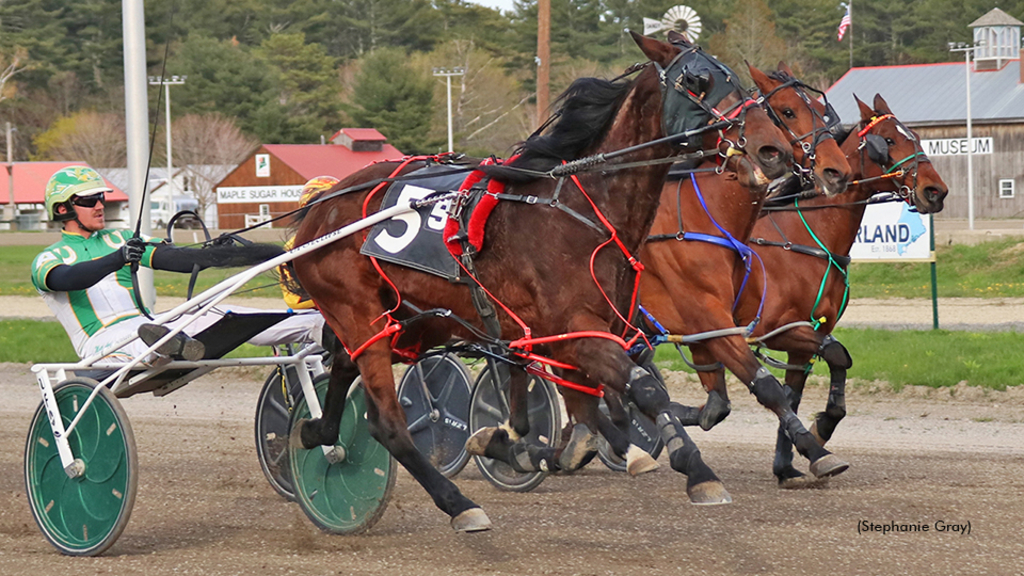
x=682 y=19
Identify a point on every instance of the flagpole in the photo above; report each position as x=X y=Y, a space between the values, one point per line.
x=850 y=8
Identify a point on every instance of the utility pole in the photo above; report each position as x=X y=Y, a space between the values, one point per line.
x=447 y=73
x=968 y=50
x=167 y=83
x=543 y=58
x=12 y=211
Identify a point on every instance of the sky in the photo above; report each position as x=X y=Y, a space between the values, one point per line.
x=503 y=5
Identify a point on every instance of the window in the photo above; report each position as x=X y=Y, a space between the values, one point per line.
x=1006 y=188
x=265 y=209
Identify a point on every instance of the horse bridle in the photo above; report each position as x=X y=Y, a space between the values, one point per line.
x=877 y=150
x=830 y=123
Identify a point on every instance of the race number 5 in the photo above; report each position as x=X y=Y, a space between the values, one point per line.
x=412 y=220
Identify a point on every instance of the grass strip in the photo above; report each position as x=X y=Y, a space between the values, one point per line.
x=936 y=358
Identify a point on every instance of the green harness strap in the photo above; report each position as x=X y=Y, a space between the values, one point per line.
x=816 y=322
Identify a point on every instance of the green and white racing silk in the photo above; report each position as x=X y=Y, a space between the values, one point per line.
x=83 y=313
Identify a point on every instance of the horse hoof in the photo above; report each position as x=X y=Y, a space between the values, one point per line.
x=581 y=444
x=828 y=465
x=295 y=436
x=472 y=520
x=817 y=437
x=710 y=493
x=639 y=462
x=476 y=445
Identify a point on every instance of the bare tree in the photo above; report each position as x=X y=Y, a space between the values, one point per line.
x=9 y=66
x=204 y=144
x=90 y=136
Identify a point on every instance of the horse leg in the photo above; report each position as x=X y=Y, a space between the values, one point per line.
x=518 y=424
x=323 y=431
x=605 y=362
x=584 y=409
x=388 y=426
x=839 y=361
x=735 y=354
x=712 y=377
x=782 y=465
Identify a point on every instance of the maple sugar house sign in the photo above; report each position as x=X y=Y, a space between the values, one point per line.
x=258 y=194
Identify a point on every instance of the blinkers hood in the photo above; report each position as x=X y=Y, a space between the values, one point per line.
x=691 y=86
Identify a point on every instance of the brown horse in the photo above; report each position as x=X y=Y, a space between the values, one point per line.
x=805 y=249
x=698 y=264
x=534 y=257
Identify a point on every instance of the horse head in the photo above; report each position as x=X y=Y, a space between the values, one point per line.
x=891 y=155
x=810 y=125
x=699 y=92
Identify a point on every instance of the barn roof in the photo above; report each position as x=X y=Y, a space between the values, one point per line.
x=30 y=182
x=933 y=94
x=312 y=160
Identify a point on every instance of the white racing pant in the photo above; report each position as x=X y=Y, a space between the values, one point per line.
x=302 y=327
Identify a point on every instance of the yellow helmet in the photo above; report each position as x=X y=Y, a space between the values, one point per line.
x=314 y=187
x=71 y=181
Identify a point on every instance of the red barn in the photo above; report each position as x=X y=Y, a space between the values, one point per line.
x=267 y=184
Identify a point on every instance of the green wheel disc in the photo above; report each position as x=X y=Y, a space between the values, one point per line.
x=82 y=516
x=349 y=496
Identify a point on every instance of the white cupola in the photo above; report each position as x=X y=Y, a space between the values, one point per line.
x=997 y=35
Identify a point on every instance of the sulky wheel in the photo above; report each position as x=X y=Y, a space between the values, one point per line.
x=643 y=432
x=435 y=395
x=82 y=516
x=349 y=496
x=489 y=407
x=273 y=418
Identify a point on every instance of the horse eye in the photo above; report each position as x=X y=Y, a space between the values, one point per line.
x=788 y=113
x=890 y=141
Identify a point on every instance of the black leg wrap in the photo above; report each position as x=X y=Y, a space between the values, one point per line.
x=687 y=415
x=529 y=458
x=772 y=395
x=835 y=354
x=646 y=392
x=714 y=411
x=684 y=456
x=769 y=391
x=825 y=422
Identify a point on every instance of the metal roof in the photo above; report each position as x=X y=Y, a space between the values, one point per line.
x=932 y=94
x=30 y=180
x=311 y=160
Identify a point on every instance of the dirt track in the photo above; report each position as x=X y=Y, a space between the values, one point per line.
x=923 y=457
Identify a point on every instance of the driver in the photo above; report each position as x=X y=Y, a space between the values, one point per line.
x=86 y=281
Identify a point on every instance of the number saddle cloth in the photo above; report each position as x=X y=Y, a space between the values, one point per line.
x=433 y=237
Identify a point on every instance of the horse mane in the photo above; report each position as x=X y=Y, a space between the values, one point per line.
x=584 y=114
x=780 y=76
x=844 y=134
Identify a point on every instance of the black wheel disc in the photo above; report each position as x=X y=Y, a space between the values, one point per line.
x=435 y=394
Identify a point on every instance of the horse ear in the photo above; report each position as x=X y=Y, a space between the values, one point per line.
x=783 y=67
x=881 y=105
x=760 y=78
x=655 y=50
x=866 y=113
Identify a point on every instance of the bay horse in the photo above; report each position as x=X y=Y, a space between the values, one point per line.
x=533 y=260
x=698 y=264
x=805 y=248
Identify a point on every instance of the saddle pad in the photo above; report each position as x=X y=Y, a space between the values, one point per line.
x=416 y=239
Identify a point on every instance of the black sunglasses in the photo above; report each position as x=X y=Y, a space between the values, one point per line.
x=89 y=201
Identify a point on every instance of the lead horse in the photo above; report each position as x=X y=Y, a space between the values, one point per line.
x=533 y=259
x=805 y=248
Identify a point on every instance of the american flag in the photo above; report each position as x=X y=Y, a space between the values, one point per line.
x=844 y=23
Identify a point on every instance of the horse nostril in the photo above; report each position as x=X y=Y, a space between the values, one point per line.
x=934 y=193
x=834 y=176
